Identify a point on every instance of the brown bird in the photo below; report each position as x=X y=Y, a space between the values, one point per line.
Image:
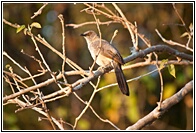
x=106 y=54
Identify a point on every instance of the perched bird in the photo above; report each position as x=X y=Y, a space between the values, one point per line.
x=106 y=54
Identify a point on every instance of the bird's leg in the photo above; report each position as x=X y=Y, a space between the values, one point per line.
x=91 y=71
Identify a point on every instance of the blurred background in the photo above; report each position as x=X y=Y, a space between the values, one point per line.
x=109 y=103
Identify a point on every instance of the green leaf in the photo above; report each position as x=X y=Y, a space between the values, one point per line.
x=172 y=70
x=163 y=62
x=35 y=24
x=20 y=28
x=7 y=66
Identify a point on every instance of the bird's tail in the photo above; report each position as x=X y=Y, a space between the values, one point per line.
x=121 y=79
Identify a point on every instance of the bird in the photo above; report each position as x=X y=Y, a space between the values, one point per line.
x=104 y=53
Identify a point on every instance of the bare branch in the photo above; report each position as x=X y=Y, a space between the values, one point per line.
x=87 y=104
x=89 y=23
x=172 y=42
x=45 y=43
x=159 y=48
x=104 y=120
x=166 y=104
x=45 y=83
x=127 y=24
x=174 y=6
x=161 y=81
x=80 y=83
x=39 y=11
x=23 y=105
x=63 y=45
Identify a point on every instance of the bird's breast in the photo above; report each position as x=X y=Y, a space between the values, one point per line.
x=96 y=55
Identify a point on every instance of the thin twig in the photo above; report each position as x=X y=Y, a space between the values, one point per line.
x=161 y=80
x=89 y=23
x=39 y=11
x=45 y=43
x=42 y=84
x=127 y=24
x=44 y=61
x=95 y=113
x=100 y=44
x=9 y=57
x=87 y=104
x=129 y=80
x=37 y=60
x=47 y=113
x=136 y=37
x=174 y=6
x=172 y=42
x=39 y=110
x=114 y=35
x=63 y=44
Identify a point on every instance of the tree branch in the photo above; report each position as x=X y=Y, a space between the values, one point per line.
x=166 y=104
x=80 y=83
x=89 y=23
x=39 y=11
x=24 y=105
x=159 y=48
x=45 y=83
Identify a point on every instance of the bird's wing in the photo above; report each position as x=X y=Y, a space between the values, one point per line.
x=111 y=52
